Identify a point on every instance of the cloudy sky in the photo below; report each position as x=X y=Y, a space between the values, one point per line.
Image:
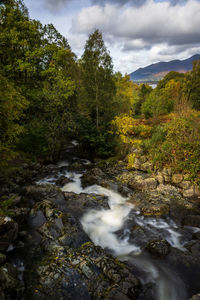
x=136 y=32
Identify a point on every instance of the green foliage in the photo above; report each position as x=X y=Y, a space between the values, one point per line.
x=192 y=85
x=97 y=80
x=177 y=144
x=141 y=96
x=124 y=98
x=95 y=94
x=5 y=204
x=130 y=133
x=12 y=106
x=176 y=76
x=162 y=101
x=131 y=160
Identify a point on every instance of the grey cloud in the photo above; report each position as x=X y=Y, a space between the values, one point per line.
x=120 y=2
x=58 y=4
x=177 y=49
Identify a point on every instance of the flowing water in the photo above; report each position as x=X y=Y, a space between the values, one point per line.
x=102 y=227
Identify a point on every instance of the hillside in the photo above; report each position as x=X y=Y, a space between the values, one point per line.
x=157 y=71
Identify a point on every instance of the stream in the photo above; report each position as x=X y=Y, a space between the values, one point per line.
x=110 y=229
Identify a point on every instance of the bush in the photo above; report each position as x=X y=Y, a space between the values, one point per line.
x=177 y=144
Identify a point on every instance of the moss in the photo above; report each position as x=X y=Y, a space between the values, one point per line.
x=5 y=204
x=119 y=263
x=86 y=245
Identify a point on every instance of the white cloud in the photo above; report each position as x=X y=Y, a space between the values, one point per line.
x=137 y=36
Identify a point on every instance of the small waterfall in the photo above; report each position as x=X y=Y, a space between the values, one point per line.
x=102 y=225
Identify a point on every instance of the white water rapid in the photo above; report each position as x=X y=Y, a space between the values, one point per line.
x=107 y=228
x=102 y=225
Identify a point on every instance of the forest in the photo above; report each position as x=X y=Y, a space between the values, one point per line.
x=49 y=96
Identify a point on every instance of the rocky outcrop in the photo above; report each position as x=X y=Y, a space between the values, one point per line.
x=163 y=176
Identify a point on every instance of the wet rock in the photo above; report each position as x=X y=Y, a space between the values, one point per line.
x=192 y=220
x=159 y=248
x=195 y=297
x=77 y=204
x=150 y=205
x=187 y=263
x=124 y=190
x=36 y=218
x=78 y=166
x=62 y=181
x=8 y=232
x=148 y=292
x=74 y=240
x=83 y=273
x=196 y=235
x=93 y=176
x=155 y=210
x=44 y=191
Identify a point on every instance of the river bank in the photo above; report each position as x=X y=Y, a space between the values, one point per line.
x=76 y=230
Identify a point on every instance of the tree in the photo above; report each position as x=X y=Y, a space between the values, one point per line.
x=98 y=82
x=20 y=37
x=143 y=92
x=124 y=98
x=192 y=85
x=12 y=106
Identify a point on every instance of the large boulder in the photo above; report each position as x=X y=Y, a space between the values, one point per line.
x=61 y=181
x=141 y=183
x=93 y=176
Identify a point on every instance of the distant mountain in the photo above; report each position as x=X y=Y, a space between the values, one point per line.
x=157 y=71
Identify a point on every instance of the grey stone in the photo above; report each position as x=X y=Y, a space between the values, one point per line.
x=177 y=178
x=185 y=184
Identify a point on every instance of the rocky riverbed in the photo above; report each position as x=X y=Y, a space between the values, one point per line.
x=81 y=230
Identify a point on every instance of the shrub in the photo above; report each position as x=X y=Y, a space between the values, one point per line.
x=177 y=144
